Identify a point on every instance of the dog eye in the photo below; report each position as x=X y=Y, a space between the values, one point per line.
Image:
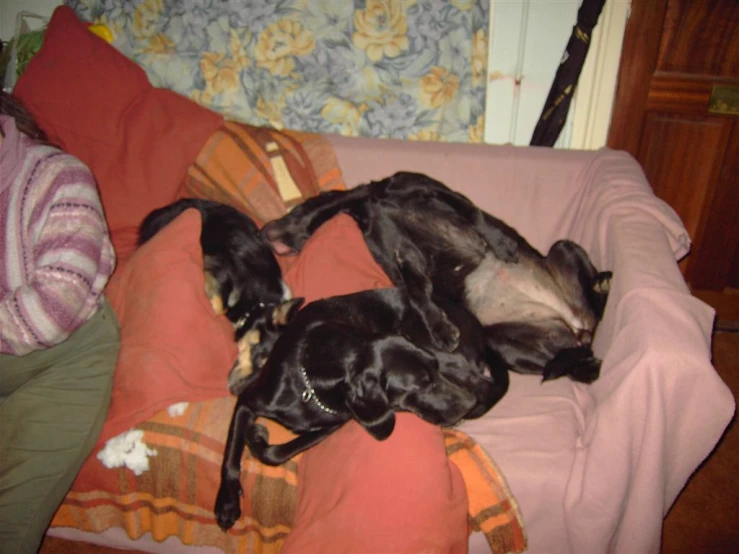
x=410 y=380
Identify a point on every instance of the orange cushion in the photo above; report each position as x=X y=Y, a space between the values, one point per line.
x=174 y=348
x=99 y=106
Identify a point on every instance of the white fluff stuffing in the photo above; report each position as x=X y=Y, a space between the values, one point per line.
x=177 y=409
x=127 y=449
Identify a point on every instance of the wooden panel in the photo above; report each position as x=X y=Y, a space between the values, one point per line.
x=674 y=52
x=713 y=264
x=686 y=176
x=726 y=304
x=733 y=281
x=676 y=92
x=700 y=36
x=638 y=63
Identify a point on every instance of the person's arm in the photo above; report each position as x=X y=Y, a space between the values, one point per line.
x=60 y=251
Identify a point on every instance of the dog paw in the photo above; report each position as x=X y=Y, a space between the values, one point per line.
x=602 y=282
x=445 y=335
x=228 y=505
x=586 y=371
x=577 y=363
x=258 y=434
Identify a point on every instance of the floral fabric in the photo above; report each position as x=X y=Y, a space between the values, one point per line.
x=409 y=69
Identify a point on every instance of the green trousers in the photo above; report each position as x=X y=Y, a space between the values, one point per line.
x=52 y=406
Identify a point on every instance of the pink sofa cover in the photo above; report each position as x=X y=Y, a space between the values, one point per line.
x=594 y=467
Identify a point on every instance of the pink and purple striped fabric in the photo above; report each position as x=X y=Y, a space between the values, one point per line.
x=55 y=250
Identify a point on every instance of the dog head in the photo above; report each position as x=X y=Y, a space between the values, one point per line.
x=256 y=342
x=244 y=281
x=375 y=396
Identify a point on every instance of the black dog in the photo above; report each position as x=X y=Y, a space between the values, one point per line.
x=361 y=356
x=242 y=277
x=539 y=312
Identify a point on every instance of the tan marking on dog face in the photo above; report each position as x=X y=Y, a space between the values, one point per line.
x=251 y=337
x=281 y=312
x=243 y=367
x=217 y=304
x=212 y=291
x=279 y=315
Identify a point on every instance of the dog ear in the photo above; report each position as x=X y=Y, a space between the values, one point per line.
x=284 y=312
x=369 y=405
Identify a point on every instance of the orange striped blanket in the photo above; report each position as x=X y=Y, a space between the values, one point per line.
x=262 y=171
x=175 y=497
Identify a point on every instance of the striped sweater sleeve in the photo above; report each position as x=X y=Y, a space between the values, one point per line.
x=57 y=252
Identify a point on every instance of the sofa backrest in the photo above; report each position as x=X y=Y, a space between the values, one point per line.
x=536 y=190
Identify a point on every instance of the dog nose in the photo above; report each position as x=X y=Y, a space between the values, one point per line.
x=459 y=403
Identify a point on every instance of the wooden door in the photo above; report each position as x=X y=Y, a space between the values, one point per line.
x=677 y=55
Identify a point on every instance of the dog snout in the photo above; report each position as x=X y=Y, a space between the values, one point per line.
x=444 y=403
x=463 y=402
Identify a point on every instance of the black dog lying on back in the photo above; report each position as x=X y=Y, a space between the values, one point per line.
x=242 y=277
x=539 y=312
x=361 y=356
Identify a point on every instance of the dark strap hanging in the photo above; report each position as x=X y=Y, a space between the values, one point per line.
x=554 y=113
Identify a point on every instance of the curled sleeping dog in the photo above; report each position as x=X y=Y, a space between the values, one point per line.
x=242 y=277
x=539 y=312
x=361 y=356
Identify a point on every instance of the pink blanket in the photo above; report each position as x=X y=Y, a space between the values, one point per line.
x=594 y=468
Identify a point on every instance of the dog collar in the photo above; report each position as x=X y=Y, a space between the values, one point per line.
x=242 y=320
x=310 y=392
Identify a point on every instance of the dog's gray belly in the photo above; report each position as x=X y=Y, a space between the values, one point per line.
x=524 y=291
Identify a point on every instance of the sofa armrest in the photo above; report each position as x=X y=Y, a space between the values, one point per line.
x=614 y=188
x=659 y=406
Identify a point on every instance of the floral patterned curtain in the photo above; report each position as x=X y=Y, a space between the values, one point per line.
x=410 y=69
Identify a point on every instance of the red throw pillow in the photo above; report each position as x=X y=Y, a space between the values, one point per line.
x=99 y=106
x=357 y=494
x=334 y=261
x=174 y=347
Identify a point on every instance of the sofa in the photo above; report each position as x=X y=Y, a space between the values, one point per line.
x=554 y=467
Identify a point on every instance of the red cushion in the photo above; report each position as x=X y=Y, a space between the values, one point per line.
x=173 y=346
x=98 y=105
x=334 y=261
x=357 y=494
